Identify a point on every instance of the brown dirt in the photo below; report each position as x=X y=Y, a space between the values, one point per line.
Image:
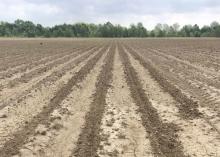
x=31 y=105
x=205 y=143
x=121 y=128
x=163 y=136
x=188 y=108
x=12 y=146
x=89 y=138
x=66 y=122
x=199 y=104
x=109 y=97
x=17 y=94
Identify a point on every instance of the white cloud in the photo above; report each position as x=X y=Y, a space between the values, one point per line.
x=51 y=12
x=20 y=9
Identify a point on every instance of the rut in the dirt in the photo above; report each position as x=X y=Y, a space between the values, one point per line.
x=163 y=136
x=188 y=108
x=122 y=131
x=26 y=77
x=29 y=66
x=12 y=146
x=51 y=78
x=89 y=138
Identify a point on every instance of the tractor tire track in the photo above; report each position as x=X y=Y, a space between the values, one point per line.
x=27 y=77
x=89 y=138
x=15 y=64
x=197 y=136
x=122 y=131
x=8 y=73
x=188 y=107
x=12 y=146
x=163 y=136
x=22 y=112
x=65 y=122
x=19 y=93
x=31 y=66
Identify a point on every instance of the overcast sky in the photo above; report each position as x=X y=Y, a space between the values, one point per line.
x=124 y=12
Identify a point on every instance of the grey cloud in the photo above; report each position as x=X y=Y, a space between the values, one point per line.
x=50 y=12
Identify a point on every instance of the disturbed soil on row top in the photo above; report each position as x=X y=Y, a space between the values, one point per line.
x=110 y=97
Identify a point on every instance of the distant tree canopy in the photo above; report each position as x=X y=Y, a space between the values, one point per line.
x=22 y=28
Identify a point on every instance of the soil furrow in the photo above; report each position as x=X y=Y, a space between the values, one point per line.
x=11 y=81
x=38 y=60
x=199 y=75
x=29 y=54
x=17 y=72
x=24 y=60
x=12 y=146
x=197 y=137
x=109 y=97
x=25 y=78
x=206 y=96
x=89 y=138
x=163 y=136
x=197 y=67
x=122 y=131
x=18 y=94
x=23 y=111
x=188 y=108
x=65 y=122
x=208 y=66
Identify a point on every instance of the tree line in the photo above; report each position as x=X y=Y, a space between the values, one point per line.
x=20 y=28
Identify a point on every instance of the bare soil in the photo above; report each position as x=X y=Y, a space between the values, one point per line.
x=109 y=97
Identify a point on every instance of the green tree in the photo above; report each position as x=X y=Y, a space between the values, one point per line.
x=158 y=30
x=20 y=28
x=132 y=31
x=81 y=30
x=141 y=31
x=215 y=29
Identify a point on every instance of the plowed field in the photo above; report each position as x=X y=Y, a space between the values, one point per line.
x=109 y=97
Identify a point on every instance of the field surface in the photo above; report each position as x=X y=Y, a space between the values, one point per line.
x=109 y=97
